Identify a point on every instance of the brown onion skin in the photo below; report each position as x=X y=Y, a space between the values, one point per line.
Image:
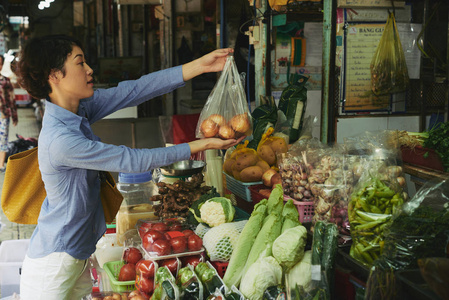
x=226 y=132
x=209 y=128
x=240 y=123
x=218 y=119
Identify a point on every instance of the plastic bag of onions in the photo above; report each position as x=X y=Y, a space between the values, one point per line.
x=226 y=114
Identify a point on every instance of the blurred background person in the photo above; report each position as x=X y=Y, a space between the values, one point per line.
x=8 y=110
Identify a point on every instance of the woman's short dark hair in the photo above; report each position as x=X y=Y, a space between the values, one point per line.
x=39 y=58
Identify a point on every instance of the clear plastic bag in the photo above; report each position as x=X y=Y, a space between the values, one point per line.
x=418 y=230
x=226 y=113
x=389 y=72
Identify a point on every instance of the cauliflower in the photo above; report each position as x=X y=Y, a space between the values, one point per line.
x=217 y=211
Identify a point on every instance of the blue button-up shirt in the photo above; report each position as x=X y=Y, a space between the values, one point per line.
x=70 y=155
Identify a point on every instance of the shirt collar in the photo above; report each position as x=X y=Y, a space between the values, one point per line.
x=62 y=114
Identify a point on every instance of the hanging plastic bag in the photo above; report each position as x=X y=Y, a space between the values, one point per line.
x=389 y=72
x=226 y=114
x=293 y=103
x=263 y=117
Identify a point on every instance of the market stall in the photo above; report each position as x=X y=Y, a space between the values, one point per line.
x=297 y=218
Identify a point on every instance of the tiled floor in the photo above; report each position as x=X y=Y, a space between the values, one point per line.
x=28 y=126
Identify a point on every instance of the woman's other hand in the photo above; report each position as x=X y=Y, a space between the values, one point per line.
x=212 y=143
x=211 y=62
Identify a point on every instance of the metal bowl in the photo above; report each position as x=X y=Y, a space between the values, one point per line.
x=184 y=168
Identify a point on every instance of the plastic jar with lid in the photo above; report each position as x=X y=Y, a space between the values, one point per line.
x=137 y=190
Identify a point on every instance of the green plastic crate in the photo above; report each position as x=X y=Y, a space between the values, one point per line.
x=112 y=268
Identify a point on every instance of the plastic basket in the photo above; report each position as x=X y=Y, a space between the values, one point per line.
x=220 y=266
x=305 y=209
x=112 y=268
x=423 y=157
x=255 y=195
x=240 y=188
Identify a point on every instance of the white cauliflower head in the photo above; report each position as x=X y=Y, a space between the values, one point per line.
x=212 y=213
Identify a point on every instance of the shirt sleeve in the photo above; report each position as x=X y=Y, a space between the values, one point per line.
x=76 y=151
x=132 y=92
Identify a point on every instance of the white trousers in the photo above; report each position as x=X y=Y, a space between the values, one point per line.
x=57 y=276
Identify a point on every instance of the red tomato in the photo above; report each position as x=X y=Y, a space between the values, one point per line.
x=171 y=264
x=145 y=285
x=194 y=243
x=193 y=260
x=188 y=232
x=127 y=272
x=132 y=255
x=161 y=247
x=150 y=237
x=145 y=268
x=144 y=227
x=159 y=227
x=178 y=244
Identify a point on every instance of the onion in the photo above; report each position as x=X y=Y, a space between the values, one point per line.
x=276 y=179
x=226 y=132
x=209 y=128
x=218 y=119
x=266 y=177
x=240 y=123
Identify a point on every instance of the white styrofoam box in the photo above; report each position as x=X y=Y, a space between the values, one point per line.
x=12 y=254
x=13 y=250
x=10 y=278
x=108 y=249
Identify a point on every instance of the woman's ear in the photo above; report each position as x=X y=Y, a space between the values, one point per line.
x=54 y=76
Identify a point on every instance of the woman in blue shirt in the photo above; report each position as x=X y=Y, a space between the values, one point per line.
x=71 y=219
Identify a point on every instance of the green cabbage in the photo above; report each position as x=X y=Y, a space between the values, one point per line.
x=265 y=272
x=300 y=275
x=288 y=248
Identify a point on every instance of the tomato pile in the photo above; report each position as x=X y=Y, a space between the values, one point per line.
x=162 y=239
x=169 y=243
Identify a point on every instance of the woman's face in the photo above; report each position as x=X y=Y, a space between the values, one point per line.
x=77 y=82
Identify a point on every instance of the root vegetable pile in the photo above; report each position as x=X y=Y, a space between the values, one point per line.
x=175 y=199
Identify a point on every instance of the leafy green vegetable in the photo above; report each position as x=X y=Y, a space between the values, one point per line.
x=438 y=140
x=245 y=242
x=265 y=272
x=276 y=200
x=301 y=274
x=271 y=229
x=290 y=215
x=288 y=248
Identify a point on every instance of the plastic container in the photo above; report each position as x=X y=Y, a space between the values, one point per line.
x=240 y=188
x=220 y=266
x=423 y=157
x=12 y=254
x=306 y=209
x=137 y=190
x=112 y=268
x=107 y=249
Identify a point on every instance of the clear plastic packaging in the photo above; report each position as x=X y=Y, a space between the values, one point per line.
x=137 y=190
